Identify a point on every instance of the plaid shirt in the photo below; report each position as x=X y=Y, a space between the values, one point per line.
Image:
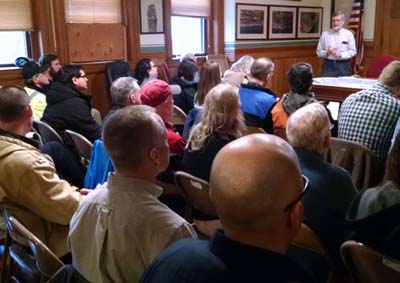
x=369 y=117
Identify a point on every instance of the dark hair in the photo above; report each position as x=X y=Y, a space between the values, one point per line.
x=13 y=102
x=68 y=72
x=187 y=68
x=47 y=58
x=142 y=70
x=392 y=163
x=300 y=77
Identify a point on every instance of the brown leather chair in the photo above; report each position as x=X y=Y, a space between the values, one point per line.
x=369 y=266
x=221 y=59
x=365 y=169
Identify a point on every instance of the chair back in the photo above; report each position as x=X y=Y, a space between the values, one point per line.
x=117 y=69
x=221 y=59
x=365 y=169
x=82 y=144
x=46 y=132
x=369 y=266
x=47 y=262
x=178 y=116
x=195 y=191
x=307 y=239
x=167 y=71
x=254 y=130
x=377 y=64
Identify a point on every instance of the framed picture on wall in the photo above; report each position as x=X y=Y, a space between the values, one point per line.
x=151 y=16
x=282 y=22
x=309 y=22
x=251 y=21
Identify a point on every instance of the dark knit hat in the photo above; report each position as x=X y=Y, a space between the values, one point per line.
x=155 y=92
x=32 y=68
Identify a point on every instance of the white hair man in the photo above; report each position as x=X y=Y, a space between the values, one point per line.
x=123 y=226
x=336 y=46
x=331 y=189
x=256 y=100
x=260 y=211
x=124 y=92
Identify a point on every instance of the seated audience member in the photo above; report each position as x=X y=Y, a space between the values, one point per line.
x=29 y=186
x=330 y=189
x=374 y=212
x=300 y=78
x=369 y=116
x=221 y=122
x=239 y=72
x=187 y=78
x=135 y=226
x=210 y=76
x=256 y=100
x=68 y=107
x=124 y=92
x=36 y=78
x=260 y=211
x=157 y=94
x=52 y=61
x=145 y=70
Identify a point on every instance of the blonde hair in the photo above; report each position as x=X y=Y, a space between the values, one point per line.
x=221 y=114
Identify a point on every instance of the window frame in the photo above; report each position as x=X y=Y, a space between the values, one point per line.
x=29 y=49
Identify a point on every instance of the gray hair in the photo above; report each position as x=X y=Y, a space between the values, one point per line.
x=339 y=13
x=261 y=68
x=308 y=126
x=390 y=75
x=243 y=64
x=122 y=88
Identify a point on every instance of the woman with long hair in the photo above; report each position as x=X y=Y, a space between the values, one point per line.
x=221 y=122
x=210 y=76
x=145 y=70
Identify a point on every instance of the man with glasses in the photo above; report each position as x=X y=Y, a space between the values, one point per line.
x=331 y=189
x=260 y=210
x=36 y=79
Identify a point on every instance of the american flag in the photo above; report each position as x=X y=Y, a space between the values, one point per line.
x=356 y=25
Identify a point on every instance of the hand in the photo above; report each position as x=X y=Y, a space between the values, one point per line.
x=84 y=192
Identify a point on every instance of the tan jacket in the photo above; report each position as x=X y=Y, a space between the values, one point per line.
x=33 y=193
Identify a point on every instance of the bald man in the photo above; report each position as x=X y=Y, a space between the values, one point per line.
x=260 y=211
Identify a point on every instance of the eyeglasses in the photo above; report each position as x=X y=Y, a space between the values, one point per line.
x=305 y=187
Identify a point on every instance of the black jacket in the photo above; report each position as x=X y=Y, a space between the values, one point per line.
x=67 y=108
x=184 y=100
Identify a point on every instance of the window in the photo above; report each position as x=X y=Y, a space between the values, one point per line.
x=13 y=46
x=188 y=35
x=189 y=26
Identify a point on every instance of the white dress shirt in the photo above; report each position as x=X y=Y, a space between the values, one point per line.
x=342 y=39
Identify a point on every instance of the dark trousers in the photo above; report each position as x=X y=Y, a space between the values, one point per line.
x=67 y=163
x=335 y=68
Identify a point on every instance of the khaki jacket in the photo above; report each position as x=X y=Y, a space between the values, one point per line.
x=33 y=193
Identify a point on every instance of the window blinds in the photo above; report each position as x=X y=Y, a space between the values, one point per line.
x=16 y=15
x=92 y=11
x=191 y=8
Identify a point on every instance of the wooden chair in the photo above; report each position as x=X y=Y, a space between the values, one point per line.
x=369 y=266
x=178 y=116
x=46 y=132
x=254 y=130
x=365 y=169
x=82 y=144
x=221 y=59
x=306 y=238
x=196 y=193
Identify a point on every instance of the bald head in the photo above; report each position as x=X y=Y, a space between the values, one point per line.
x=252 y=181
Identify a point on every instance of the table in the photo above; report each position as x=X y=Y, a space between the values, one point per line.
x=337 y=89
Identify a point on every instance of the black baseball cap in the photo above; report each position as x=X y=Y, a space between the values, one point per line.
x=32 y=68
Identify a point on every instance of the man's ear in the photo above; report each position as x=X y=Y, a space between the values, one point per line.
x=154 y=157
x=74 y=80
x=29 y=112
x=296 y=216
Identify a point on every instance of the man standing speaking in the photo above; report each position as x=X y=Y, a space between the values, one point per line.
x=336 y=46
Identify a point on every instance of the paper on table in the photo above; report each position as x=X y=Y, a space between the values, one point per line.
x=348 y=82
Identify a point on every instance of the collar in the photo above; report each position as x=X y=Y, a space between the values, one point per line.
x=252 y=260
x=304 y=153
x=34 y=87
x=18 y=137
x=121 y=183
x=256 y=86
